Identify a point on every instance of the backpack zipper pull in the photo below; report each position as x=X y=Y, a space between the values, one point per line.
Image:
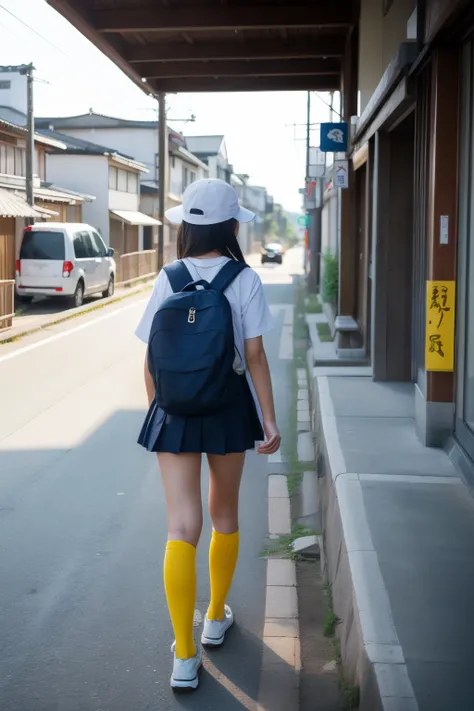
x=192 y=315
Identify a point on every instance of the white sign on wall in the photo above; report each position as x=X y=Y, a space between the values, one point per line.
x=341 y=174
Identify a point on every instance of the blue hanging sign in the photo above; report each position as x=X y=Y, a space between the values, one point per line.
x=334 y=137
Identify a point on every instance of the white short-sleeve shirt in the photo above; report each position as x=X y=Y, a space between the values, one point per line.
x=250 y=312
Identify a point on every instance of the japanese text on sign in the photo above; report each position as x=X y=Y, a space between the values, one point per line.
x=440 y=312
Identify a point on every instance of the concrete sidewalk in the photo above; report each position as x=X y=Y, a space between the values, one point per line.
x=399 y=546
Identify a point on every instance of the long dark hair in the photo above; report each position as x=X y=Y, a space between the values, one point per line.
x=196 y=240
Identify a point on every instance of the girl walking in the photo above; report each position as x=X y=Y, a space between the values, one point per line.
x=209 y=390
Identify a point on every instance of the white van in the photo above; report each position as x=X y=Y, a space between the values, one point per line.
x=64 y=259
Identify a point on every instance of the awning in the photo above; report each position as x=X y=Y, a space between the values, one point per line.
x=135 y=218
x=12 y=205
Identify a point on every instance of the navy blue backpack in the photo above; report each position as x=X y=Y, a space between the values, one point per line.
x=191 y=349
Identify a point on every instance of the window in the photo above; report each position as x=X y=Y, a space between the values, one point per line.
x=20 y=161
x=5 y=84
x=132 y=183
x=3 y=158
x=10 y=160
x=80 y=248
x=41 y=244
x=173 y=161
x=98 y=246
x=113 y=178
x=122 y=181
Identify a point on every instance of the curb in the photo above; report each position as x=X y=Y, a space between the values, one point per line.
x=372 y=655
x=279 y=686
x=281 y=663
x=74 y=313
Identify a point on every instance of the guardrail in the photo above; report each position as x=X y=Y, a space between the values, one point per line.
x=7 y=303
x=136 y=265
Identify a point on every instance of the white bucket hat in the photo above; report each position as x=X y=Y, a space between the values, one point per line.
x=208 y=202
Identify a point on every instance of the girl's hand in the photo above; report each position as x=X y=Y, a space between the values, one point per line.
x=272 y=441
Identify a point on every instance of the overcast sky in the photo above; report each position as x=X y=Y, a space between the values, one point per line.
x=73 y=76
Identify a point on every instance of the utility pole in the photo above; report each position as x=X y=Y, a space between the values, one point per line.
x=308 y=158
x=30 y=141
x=162 y=173
x=308 y=134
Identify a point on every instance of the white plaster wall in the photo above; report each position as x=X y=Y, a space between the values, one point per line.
x=119 y=200
x=85 y=174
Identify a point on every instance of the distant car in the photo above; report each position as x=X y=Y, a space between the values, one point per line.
x=272 y=253
x=64 y=259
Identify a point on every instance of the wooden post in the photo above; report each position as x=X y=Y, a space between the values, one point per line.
x=443 y=194
x=162 y=174
x=347 y=260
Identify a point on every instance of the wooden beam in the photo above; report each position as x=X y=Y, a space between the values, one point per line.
x=186 y=19
x=301 y=48
x=266 y=68
x=230 y=84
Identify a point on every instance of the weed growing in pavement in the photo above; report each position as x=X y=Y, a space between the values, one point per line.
x=313 y=305
x=300 y=336
x=293 y=481
x=324 y=332
x=350 y=692
x=331 y=620
x=282 y=547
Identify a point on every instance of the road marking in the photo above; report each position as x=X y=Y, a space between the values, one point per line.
x=286 y=343
x=58 y=336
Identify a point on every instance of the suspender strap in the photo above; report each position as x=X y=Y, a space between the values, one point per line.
x=227 y=274
x=178 y=275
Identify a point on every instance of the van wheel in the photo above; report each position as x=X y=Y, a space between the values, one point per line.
x=78 y=298
x=109 y=292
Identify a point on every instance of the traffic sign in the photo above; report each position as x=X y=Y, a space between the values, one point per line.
x=303 y=220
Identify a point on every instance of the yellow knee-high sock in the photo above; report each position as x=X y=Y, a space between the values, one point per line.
x=223 y=555
x=180 y=587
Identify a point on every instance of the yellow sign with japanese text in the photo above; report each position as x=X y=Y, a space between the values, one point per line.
x=440 y=313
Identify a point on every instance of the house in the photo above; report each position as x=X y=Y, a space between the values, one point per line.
x=51 y=201
x=140 y=140
x=114 y=179
x=213 y=152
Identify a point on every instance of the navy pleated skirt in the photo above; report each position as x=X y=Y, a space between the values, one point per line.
x=234 y=429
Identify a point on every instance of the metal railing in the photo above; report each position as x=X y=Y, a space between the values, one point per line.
x=7 y=303
x=136 y=265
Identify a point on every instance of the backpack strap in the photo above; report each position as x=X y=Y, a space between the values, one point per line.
x=227 y=274
x=178 y=275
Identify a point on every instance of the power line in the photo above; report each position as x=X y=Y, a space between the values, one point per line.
x=327 y=104
x=38 y=34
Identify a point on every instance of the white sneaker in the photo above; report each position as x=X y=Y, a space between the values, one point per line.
x=185 y=671
x=214 y=631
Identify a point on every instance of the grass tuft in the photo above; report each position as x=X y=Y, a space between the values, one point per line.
x=293 y=482
x=331 y=620
x=324 y=332
x=281 y=547
x=313 y=305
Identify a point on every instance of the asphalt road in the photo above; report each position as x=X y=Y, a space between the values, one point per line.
x=83 y=619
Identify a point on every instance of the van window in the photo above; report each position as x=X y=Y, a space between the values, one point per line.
x=99 y=247
x=80 y=247
x=41 y=244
